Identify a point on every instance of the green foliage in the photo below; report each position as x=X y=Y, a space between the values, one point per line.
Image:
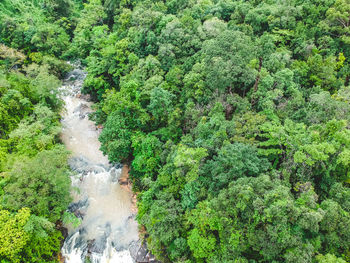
x=13 y=237
x=337 y=20
x=317 y=153
x=162 y=220
x=44 y=250
x=27 y=238
x=334 y=225
x=329 y=258
x=226 y=61
x=70 y=218
x=258 y=218
x=232 y=162
x=40 y=183
x=37 y=132
x=116 y=138
x=84 y=37
x=34 y=176
x=234 y=117
x=146 y=151
x=34 y=26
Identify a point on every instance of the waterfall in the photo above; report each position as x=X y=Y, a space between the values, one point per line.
x=108 y=228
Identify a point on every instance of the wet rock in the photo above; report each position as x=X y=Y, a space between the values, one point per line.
x=78 y=164
x=62 y=229
x=83 y=166
x=130 y=217
x=94 y=169
x=99 y=245
x=79 y=214
x=124 y=178
x=107 y=167
x=123 y=181
x=118 y=166
x=108 y=229
x=79 y=208
x=75 y=241
x=129 y=221
x=114 y=175
x=64 y=232
x=78 y=205
x=75 y=75
x=85 y=97
x=140 y=253
x=82 y=116
x=134 y=248
x=119 y=247
x=82 y=109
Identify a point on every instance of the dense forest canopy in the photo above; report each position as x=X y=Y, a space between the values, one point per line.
x=34 y=174
x=233 y=115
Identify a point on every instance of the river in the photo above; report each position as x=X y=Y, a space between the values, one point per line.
x=108 y=228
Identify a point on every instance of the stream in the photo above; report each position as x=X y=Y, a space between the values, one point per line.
x=108 y=230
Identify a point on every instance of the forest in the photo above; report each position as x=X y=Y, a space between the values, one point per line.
x=234 y=117
x=34 y=174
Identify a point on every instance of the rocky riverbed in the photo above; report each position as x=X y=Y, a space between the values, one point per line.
x=101 y=191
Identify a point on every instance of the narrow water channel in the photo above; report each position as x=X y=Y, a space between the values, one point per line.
x=107 y=228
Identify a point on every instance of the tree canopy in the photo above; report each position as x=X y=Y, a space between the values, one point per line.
x=233 y=116
x=34 y=175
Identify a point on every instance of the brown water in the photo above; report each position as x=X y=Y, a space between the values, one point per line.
x=107 y=226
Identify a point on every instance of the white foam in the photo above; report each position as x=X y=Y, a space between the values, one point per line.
x=108 y=214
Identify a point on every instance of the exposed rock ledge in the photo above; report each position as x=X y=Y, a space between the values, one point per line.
x=125 y=183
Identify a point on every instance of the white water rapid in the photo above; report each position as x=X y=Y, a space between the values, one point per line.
x=107 y=228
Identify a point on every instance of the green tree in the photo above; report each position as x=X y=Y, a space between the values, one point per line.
x=337 y=20
x=41 y=183
x=256 y=218
x=13 y=237
x=232 y=162
x=37 y=132
x=226 y=61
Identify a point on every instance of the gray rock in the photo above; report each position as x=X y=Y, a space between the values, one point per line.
x=114 y=175
x=140 y=253
x=78 y=164
x=79 y=208
x=99 y=245
x=82 y=165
